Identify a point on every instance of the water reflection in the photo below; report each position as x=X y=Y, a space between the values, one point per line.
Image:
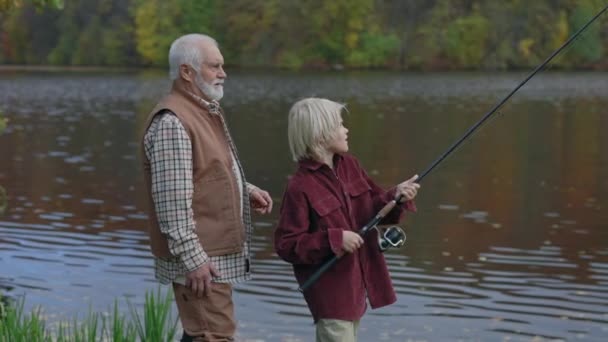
x=509 y=243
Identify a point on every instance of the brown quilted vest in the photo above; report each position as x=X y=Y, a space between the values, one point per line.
x=216 y=202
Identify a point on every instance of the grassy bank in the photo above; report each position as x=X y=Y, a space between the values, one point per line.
x=154 y=324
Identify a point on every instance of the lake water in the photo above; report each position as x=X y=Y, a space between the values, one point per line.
x=510 y=241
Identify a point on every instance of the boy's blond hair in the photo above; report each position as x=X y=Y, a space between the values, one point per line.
x=312 y=122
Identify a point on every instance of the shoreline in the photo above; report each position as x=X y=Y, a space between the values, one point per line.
x=61 y=68
x=68 y=68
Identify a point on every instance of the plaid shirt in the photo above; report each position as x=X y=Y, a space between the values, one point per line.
x=168 y=147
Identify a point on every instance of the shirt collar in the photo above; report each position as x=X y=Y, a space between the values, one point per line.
x=212 y=107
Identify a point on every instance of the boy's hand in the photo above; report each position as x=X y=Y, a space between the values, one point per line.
x=407 y=189
x=351 y=241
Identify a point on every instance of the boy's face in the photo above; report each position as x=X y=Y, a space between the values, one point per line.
x=339 y=143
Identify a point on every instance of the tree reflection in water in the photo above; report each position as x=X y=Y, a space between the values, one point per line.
x=3 y=200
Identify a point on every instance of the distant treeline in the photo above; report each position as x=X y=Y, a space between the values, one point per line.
x=411 y=35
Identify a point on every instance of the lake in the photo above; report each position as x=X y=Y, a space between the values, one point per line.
x=510 y=241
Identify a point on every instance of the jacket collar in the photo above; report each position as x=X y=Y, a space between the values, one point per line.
x=313 y=164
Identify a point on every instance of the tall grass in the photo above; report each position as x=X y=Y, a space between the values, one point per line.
x=157 y=310
x=156 y=325
x=119 y=329
x=15 y=327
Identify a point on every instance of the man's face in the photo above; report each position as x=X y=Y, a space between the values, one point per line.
x=210 y=74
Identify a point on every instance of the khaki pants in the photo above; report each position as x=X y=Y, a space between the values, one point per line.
x=335 y=330
x=210 y=318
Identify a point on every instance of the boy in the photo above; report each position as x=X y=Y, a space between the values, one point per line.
x=326 y=201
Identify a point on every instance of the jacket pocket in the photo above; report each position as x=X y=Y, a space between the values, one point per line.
x=324 y=206
x=215 y=214
x=358 y=187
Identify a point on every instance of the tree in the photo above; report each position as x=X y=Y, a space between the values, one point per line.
x=158 y=23
x=6 y=5
x=589 y=47
x=467 y=37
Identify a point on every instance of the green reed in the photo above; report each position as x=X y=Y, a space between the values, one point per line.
x=157 y=314
x=156 y=325
x=17 y=327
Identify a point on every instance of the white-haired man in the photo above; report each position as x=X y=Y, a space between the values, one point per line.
x=200 y=225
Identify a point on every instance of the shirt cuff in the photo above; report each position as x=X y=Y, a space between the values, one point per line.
x=409 y=205
x=335 y=240
x=250 y=188
x=192 y=260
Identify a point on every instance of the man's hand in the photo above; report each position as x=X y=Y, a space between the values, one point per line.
x=260 y=200
x=407 y=189
x=199 y=280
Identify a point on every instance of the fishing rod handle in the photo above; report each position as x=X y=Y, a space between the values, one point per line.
x=386 y=209
x=315 y=276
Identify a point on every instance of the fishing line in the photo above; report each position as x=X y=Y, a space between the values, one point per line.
x=388 y=207
x=548 y=67
x=506 y=98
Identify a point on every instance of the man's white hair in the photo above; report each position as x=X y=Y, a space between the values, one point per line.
x=186 y=50
x=312 y=122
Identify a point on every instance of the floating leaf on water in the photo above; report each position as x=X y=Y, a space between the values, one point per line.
x=448 y=207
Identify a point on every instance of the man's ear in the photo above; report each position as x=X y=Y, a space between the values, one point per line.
x=186 y=73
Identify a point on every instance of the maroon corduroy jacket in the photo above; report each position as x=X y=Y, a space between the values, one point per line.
x=318 y=204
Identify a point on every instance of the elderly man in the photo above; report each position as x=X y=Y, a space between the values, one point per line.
x=199 y=201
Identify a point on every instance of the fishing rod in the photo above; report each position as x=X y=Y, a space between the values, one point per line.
x=395 y=238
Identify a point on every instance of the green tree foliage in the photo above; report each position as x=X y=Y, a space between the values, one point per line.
x=466 y=40
x=6 y=5
x=534 y=45
x=428 y=39
x=2 y=123
x=154 y=30
x=253 y=30
x=158 y=23
x=306 y=33
x=589 y=48
x=199 y=16
x=429 y=35
x=374 y=50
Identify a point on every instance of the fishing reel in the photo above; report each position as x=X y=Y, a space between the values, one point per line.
x=393 y=236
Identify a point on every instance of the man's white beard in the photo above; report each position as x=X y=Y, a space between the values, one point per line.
x=209 y=90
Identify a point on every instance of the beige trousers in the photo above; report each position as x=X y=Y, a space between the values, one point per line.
x=335 y=330
x=210 y=318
